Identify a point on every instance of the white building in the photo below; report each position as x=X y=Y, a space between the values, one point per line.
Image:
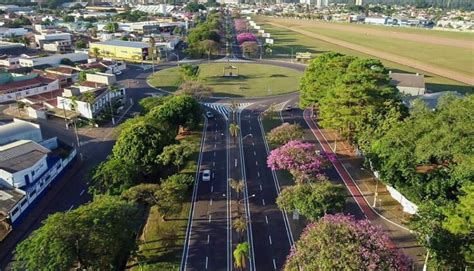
x=42 y=39
x=20 y=129
x=9 y=32
x=16 y=90
x=406 y=83
x=53 y=60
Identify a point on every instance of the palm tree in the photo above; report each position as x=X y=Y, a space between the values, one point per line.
x=95 y=52
x=234 y=130
x=241 y=253
x=240 y=225
x=234 y=106
x=152 y=44
x=238 y=186
x=25 y=41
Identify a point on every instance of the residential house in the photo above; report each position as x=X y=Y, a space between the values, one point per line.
x=20 y=129
x=14 y=87
x=406 y=83
x=53 y=60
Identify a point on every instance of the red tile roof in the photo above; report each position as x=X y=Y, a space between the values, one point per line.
x=25 y=83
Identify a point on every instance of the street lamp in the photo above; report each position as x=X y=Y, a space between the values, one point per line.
x=376 y=185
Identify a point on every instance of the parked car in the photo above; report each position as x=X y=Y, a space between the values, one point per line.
x=206 y=175
x=288 y=108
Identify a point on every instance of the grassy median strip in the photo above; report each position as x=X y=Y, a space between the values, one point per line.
x=160 y=245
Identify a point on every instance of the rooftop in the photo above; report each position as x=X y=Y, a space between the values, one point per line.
x=407 y=80
x=14 y=128
x=25 y=83
x=20 y=155
x=8 y=198
x=122 y=43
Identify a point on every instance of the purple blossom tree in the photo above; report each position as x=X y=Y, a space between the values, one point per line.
x=243 y=37
x=339 y=242
x=301 y=159
x=240 y=25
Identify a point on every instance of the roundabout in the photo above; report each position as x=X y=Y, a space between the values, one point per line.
x=231 y=79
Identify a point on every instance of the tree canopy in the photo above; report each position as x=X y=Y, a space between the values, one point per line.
x=339 y=242
x=98 y=235
x=284 y=133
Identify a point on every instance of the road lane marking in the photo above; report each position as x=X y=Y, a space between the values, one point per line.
x=250 y=128
x=235 y=162
x=274 y=265
x=213 y=175
x=210 y=218
x=82 y=192
x=253 y=144
x=207 y=259
x=256 y=163
x=215 y=137
x=266 y=219
x=261 y=188
x=258 y=174
x=208 y=238
x=270 y=239
x=70 y=208
x=254 y=153
x=210 y=202
x=213 y=164
x=263 y=202
x=212 y=188
x=215 y=145
x=214 y=154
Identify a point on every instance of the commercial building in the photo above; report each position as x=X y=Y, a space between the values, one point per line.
x=20 y=129
x=48 y=38
x=119 y=49
x=53 y=60
x=14 y=87
x=9 y=32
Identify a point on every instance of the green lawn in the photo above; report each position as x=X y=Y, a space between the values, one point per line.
x=160 y=246
x=254 y=80
x=287 y=41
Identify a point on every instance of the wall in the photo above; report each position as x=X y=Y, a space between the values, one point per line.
x=7 y=97
x=17 y=179
x=102 y=78
x=53 y=60
x=411 y=90
x=118 y=52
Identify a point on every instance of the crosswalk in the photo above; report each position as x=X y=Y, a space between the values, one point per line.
x=226 y=108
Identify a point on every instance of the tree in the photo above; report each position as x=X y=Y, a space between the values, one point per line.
x=460 y=219
x=97 y=235
x=339 y=242
x=189 y=72
x=25 y=41
x=237 y=185
x=194 y=89
x=313 y=200
x=284 y=133
x=234 y=130
x=176 y=154
x=243 y=37
x=172 y=193
x=81 y=44
x=144 y=193
x=249 y=47
x=111 y=27
x=141 y=144
x=241 y=253
x=210 y=47
x=181 y=111
x=148 y=103
x=95 y=52
x=240 y=225
x=113 y=176
x=194 y=7
x=301 y=159
x=69 y=19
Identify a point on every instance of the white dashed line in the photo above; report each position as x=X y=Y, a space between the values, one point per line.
x=253 y=144
x=258 y=174
x=263 y=202
x=270 y=239
x=261 y=188
x=213 y=164
x=214 y=154
x=256 y=163
x=210 y=218
x=82 y=192
x=266 y=219
x=250 y=128
x=210 y=202
x=208 y=238
x=207 y=259
x=212 y=188
x=235 y=162
x=70 y=208
x=274 y=265
x=254 y=153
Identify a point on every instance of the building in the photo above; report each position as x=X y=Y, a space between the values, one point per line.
x=406 y=83
x=59 y=46
x=430 y=99
x=14 y=87
x=27 y=168
x=9 y=32
x=119 y=49
x=53 y=60
x=19 y=129
x=48 y=38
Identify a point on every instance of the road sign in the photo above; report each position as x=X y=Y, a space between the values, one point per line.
x=269 y=41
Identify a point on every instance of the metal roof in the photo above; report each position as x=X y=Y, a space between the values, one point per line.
x=15 y=129
x=20 y=155
x=123 y=43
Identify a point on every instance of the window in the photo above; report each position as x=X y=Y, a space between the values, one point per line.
x=14 y=211
x=23 y=203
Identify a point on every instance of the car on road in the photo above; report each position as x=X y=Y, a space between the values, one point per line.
x=288 y=108
x=209 y=114
x=206 y=175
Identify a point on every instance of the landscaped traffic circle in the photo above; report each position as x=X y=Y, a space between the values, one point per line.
x=234 y=79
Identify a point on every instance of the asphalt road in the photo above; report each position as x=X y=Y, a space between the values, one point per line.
x=207 y=248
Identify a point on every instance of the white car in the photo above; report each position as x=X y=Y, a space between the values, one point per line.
x=209 y=115
x=206 y=175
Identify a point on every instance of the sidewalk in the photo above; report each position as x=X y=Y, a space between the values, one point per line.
x=362 y=185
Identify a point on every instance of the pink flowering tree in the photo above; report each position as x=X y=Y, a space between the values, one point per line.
x=243 y=37
x=301 y=159
x=240 y=25
x=339 y=242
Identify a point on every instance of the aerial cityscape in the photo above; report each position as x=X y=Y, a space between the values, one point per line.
x=237 y=135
